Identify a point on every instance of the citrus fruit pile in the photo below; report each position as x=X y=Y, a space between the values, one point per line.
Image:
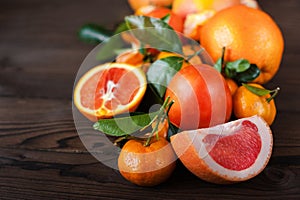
x=214 y=115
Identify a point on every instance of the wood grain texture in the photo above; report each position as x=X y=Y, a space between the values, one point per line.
x=41 y=154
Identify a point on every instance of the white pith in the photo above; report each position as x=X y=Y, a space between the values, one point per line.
x=266 y=148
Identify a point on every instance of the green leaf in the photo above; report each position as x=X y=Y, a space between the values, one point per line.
x=218 y=65
x=166 y=18
x=121 y=28
x=220 y=62
x=124 y=125
x=256 y=90
x=241 y=70
x=109 y=48
x=154 y=32
x=93 y=33
x=238 y=66
x=248 y=75
x=162 y=71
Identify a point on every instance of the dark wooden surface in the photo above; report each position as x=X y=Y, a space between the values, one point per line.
x=41 y=156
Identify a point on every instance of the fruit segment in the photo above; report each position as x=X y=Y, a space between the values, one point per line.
x=231 y=152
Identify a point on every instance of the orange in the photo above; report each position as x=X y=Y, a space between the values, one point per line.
x=136 y=4
x=227 y=153
x=109 y=89
x=246 y=33
x=231 y=85
x=147 y=165
x=194 y=22
x=132 y=57
x=186 y=7
x=165 y=54
x=175 y=21
x=246 y=104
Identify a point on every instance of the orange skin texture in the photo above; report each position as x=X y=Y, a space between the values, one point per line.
x=231 y=85
x=246 y=33
x=176 y=22
x=246 y=104
x=131 y=57
x=189 y=91
x=136 y=4
x=147 y=172
x=185 y=7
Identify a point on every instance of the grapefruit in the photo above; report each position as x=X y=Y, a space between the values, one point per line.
x=202 y=97
x=227 y=153
x=109 y=89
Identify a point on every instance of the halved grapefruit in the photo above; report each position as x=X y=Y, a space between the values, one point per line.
x=227 y=153
x=109 y=89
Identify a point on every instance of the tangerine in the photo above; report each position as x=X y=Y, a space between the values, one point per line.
x=147 y=165
x=246 y=103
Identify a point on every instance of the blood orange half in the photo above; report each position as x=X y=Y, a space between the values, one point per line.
x=227 y=153
x=109 y=89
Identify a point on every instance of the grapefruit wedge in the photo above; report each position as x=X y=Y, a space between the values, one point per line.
x=109 y=89
x=231 y=152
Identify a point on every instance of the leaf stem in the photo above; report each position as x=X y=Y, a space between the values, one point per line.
x=275 y=92
x=159 y=118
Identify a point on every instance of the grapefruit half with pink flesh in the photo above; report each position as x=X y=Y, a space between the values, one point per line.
x=231 y=152
x=109 y=89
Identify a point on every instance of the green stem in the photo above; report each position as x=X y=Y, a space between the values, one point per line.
x=159 y=118
x=275 y=92
x=195 y=54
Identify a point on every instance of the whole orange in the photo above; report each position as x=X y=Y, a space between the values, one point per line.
x=247 y=104
x=175 y=21
x=147 y=165
x=246 y=33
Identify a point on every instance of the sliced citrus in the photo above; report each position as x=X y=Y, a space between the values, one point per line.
x=109 y=89
x=231 y=152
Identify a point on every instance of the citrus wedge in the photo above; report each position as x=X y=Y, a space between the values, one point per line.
x=109 y=89
x=227 y=153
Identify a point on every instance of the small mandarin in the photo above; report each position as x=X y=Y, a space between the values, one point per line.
x=247 y=104
x=147 y=165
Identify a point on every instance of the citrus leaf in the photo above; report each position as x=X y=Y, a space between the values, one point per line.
x=248 y=75
x=238 y=66
x=241 y=76
x=256 y=90
x=220 y=62
x=162 y=71
x=122 y=126
x=121 y=28
x=218 y=65
x=93 y=33
x=154 y=32
x=108 y=48
x=166 y=18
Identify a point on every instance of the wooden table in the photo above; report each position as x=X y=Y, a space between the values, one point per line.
x=41 y=155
